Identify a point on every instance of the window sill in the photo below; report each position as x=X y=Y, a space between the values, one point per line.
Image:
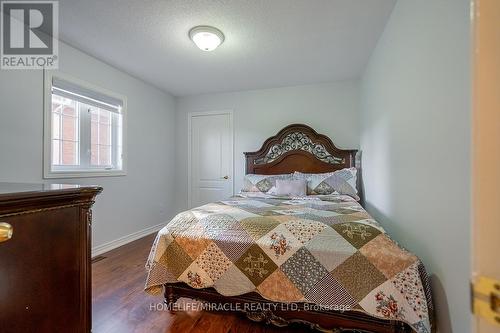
x=83 y=174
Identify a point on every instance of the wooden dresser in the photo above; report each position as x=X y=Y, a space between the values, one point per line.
x=45 y=249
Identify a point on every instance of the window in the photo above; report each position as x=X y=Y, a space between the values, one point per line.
x=84 y=130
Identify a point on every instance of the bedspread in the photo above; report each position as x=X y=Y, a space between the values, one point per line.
x=327 y=251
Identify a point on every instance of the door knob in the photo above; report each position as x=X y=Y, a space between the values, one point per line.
x=6 y=232
x=226 y=177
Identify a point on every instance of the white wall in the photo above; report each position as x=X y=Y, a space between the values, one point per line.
x=415 y=141
x=330 y=108
x=141 y=199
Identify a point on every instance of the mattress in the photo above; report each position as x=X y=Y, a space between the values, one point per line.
x=325 y=250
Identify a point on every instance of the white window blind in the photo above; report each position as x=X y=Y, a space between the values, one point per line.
x=77 y=93
x=85 y=131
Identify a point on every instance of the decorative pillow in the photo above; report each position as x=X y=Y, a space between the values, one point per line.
x=349 y=175
x=293 y=187
x=341 y=181
x=262 y=183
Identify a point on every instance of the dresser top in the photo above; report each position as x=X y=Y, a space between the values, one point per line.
x=18 y=197
x=26 y=189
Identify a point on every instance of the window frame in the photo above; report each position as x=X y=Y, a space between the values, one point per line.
x=77 y=172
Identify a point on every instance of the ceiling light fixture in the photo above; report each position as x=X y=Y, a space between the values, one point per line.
x=206 y=38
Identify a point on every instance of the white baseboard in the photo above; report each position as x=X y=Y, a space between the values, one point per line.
x=100 y=249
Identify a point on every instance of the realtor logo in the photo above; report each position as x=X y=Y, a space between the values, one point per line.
x=29 y=32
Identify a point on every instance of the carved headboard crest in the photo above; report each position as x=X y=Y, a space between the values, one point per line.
x=300 y=148
x=299 y=141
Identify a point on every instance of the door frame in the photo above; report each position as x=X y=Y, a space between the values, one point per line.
x=485 y=161
x=191 y=115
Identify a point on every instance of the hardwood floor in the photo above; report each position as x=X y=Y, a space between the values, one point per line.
x=119 y=303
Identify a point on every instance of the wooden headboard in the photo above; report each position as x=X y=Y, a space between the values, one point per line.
x=298 y=147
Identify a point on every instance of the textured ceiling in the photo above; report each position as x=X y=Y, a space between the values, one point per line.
x=268 y=43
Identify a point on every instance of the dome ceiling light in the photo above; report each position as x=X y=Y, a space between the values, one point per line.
x=206 y=38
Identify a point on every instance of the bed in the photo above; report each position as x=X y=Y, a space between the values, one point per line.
x=320 y=261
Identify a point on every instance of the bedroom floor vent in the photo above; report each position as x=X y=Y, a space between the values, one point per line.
x=98 y=258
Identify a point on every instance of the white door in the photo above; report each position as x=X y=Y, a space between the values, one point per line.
x=210 y=157
x=486 y=166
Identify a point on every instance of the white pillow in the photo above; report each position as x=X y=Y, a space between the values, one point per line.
x=291 y=187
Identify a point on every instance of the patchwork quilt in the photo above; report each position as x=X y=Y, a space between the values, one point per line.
x=325 y=250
